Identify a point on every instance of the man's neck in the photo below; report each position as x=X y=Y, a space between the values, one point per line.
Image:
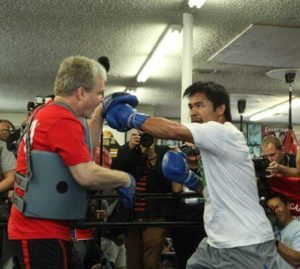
x=68 y=102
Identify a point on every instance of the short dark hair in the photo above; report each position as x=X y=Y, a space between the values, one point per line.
x=272 y=139
x=8 y=122
x=214 y=92
x=283 y=198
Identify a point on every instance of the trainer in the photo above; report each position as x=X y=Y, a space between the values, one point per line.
x=50 y=189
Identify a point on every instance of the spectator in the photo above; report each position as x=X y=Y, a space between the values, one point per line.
x=5 y=128
x=280 y=162
x=143 y=160
x=288 y=244
x=7 y=178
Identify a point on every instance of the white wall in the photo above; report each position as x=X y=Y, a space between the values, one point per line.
x=15 y=118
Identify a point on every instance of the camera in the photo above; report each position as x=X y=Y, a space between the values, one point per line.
x=38 y=100
x=260 y=166
x=146 y=140
x=189 y=151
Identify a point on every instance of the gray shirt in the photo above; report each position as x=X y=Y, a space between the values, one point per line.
x=7 y=159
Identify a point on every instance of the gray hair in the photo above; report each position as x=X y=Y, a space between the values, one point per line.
x=77 y=71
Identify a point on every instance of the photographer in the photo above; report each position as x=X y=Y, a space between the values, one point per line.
x=282 y=174
x=142 y=158
x=288 y=245
x=186 y=240
x=280 y=162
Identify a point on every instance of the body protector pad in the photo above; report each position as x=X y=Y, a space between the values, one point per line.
x=52 y=192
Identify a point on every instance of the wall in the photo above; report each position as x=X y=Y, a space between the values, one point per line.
x=15 y=118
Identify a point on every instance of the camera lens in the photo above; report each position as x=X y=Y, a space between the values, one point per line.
x=146 y=140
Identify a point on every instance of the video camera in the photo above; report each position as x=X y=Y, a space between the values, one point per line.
x=260 y=165
x=189 y=151
x=38 y=100
x=13 y=139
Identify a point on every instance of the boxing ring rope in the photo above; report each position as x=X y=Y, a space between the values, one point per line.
x=139 y=224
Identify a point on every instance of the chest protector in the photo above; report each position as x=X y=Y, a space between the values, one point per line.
x=51 y=192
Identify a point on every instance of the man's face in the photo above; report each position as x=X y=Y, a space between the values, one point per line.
x=93 y=99
x=201 y=109
x=281 y=211
x=272 y=153
x=4 y=130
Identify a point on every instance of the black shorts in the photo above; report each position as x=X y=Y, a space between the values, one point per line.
x=43 y=254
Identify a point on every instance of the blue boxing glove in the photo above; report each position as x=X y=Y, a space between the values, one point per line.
x=119 y=113
x=127 y=194
x=175 y=168
x=118 y=98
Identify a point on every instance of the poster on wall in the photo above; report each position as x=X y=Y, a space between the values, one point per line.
x=279 y=132
x=254 y=136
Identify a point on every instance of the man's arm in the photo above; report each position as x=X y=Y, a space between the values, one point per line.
x=8 y=181
x=92 y=176
x=7 y=165
x=287 y=171
x=290 y=255
x=120 y=115
x=167 y=129
x=95 y=125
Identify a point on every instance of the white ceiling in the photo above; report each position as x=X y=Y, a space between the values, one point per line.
x=37 y=34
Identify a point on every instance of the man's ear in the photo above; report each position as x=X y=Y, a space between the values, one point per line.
x=221 y=110
x=80 y=93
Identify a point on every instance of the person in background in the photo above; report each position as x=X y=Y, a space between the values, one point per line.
x=288 y=244
x=279 y=161
x=186 y=239
x=7 y=179
x=5 y=128
x=142 y=158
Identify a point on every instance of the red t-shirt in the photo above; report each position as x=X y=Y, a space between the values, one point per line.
x=54 y=129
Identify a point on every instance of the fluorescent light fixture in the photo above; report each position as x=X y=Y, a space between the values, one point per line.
x=283 y=107
x=196 y=3
x=167 y=43
x=130 y=91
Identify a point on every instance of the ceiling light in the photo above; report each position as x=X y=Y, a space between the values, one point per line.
x=196 y=3
x=283 y=107
x=167 y=43
x=131 y=91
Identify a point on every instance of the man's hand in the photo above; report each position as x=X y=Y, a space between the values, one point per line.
x=175 y=168
x=127 y=193
x=118 y=98
x=119 y=113
x=273 y=168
